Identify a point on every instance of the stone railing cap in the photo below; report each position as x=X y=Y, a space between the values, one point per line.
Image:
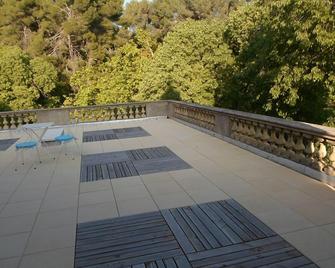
x=314 y=129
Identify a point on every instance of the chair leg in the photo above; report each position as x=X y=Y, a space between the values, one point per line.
x=38 y=155
x=78 y=147
x=65 y=147
x=22 y=156
x=16 y=160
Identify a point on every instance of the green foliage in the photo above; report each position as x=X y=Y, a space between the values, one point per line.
x=188 y=64
x=72 y=31
x=24 y=83
x=285 y=60
x=118 y=79
x=160 y=16
x=269 y=57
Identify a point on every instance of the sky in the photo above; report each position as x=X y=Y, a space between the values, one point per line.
x=126 y=1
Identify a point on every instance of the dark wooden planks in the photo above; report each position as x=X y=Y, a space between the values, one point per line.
x=175 y=262
x=215 y=234
x=6 y=143
x=129 y=163
x=124 y=242
x=113 y=134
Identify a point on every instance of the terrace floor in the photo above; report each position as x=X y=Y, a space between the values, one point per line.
x=45 y=207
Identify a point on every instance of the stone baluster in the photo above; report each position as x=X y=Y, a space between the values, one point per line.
x=240 y=130
x=144 y=111
x=309 y=149
x=247 y=132
x=26 y=118
x=320 y=153
x=273 y=141
x=137 y=112
x=243 y=131
x=118 y=113
x=5 y=122
x=258 y=135
x=330 y=169
x=233 y=127
x=131 y=112
x=252 y=133
x=19 y=120
x=281 y=142
x=299 y=148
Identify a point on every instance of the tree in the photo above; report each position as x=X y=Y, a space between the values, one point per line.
x=206 y=9
x=188 y=63
x=116 y=80
x=24 y=83
x=286 y=66
x=75 y=31
x=160 y=16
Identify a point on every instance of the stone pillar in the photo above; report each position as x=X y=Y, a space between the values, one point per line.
x=159 y=108
x=57 y=116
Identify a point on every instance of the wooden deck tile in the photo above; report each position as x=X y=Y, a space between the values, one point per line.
x=5 y=144
x=216 y=234
x=114 y=134
x=129 y=163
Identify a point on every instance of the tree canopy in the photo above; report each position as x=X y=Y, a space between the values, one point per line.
x=24 y=82
x=284 y=60
x=188 y=64
x=269 y=57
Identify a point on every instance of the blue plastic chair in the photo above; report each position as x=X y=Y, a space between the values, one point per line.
x=26 y=145
x=66 y=138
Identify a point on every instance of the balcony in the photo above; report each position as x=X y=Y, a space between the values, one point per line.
x=185 y=185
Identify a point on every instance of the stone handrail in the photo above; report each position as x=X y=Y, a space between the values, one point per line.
x=70 y=115
x=307 y=144
x=10 y=120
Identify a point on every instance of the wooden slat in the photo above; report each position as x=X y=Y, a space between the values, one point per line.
x=264 y=258
x=251 y=218
x=235 y=226
x=243 y=255
x=300 y=261
x=111 y=171
x=187 y=230
x=120 y=220
x=180 y=235
x=202 y=228
x=215 y=231
x=139 y=265
x=253 y=230
x=198 y=233
x=170 y=263
x=234 y=238
x=234 y=248
x=182 y=262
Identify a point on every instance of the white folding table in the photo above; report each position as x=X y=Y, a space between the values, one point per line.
x=32 y=129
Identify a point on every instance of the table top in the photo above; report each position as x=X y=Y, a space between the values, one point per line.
x=38 y=125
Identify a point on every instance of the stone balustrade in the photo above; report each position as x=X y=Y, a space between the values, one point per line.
x=107 y=113
x=70 y=115
x=200 y=117
x=308 y=145
x=304 y=147
x=11 y=120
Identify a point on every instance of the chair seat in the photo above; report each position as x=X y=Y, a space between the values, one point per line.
x=64 y=137
x=26 y=145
